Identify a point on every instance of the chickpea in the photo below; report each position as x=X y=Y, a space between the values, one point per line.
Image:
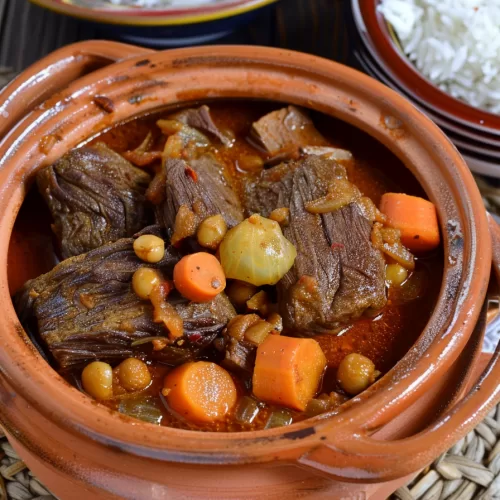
x=356 y=372
x=212 y=231
x=149 y=248
x=395 y=274
x=97 y=380
x=133 y=375
x=144 y=280
x=239 y=292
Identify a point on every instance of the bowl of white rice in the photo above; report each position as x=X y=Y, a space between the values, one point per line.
x=163 y=23
x=444 y=55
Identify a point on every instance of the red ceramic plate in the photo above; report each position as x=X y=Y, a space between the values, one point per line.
x=481 y=158
x=475 y=148
x=105 y=12
x=375 y=34
x=481 y=166
x=486 y=139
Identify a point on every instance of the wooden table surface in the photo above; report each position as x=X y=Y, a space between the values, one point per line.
x=320 y=27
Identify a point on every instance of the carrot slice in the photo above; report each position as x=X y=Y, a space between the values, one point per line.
x=415 y=217
x=200 y=391
x=199 y=277
x=288 y=371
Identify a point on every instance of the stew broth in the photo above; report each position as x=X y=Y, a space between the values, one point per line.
x=384 y=338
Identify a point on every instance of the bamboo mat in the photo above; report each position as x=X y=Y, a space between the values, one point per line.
x=471 y=468
x=16 y=481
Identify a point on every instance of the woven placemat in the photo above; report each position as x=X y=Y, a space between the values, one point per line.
x=469 y=470
x=16 y=481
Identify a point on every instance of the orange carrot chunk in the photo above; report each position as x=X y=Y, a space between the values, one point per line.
x=200 y=391
x=199 y=277
x=415 y=217
x=288 y=371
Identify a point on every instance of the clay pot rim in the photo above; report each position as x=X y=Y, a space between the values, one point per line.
x=309 y=78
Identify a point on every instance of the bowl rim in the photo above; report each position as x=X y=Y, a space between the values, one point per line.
x=477 y=160
x=312 y=82
x=371 y=67
x=155 y=17
x=481 y=166
x=372 y=27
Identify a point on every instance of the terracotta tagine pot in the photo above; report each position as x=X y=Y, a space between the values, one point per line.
x=82 y=450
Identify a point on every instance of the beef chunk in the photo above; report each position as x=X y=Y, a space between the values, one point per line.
x=240 y=356
x=95 y=196
x=202 y=190
x=201 y=119
x=337 y=274
x=284 y=132
x=85 y=309
x=264 y=195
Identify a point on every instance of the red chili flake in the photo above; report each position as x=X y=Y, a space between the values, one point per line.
x=191 y=173
x=194 y=337
x=337 y=245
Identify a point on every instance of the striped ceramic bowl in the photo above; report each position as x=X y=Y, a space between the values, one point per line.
x=167 y=24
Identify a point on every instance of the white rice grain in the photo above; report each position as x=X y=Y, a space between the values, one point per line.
x=161 y=4
x=454 y=43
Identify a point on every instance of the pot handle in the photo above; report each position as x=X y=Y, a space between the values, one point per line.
x=55 y=72
x=373 y=460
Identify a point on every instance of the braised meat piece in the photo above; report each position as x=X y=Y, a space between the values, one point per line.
x=85 y=309
x=338 y=274
x=284 y=132
x=263 y=195
x=239 y=356
x=201 y=119
x=95 y=196
x=195 y=191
